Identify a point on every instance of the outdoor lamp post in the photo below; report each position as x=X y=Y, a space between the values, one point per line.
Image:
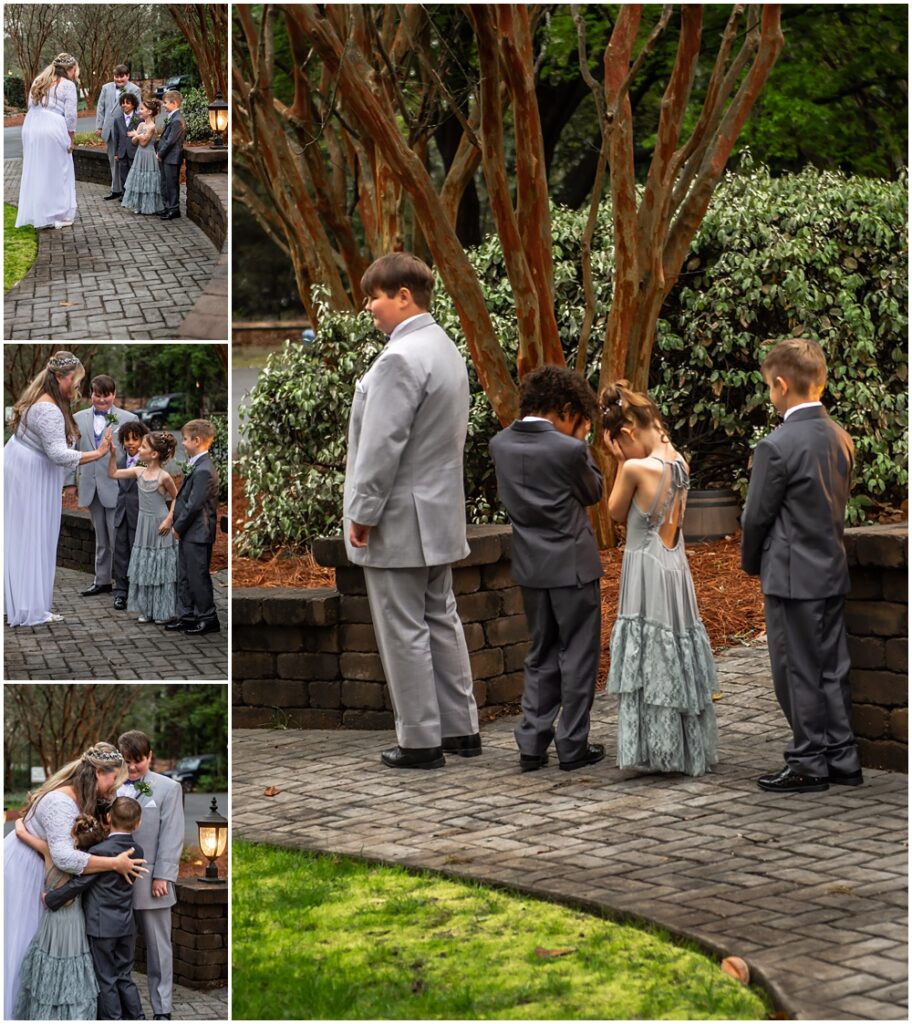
x=213 y=838
x=218 y=120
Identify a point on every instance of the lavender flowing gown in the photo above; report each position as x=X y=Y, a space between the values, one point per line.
x=47 y=191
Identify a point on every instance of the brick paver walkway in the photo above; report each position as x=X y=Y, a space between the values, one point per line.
x=810 y=889
x=75 y=288
x=95 y=642
x=188 y=1003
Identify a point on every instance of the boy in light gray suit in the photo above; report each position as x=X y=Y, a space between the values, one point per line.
x=108 y=108
x=792 y=538
x=97 y=491
x=404 y=510
x=161 y=833
x=545 y=479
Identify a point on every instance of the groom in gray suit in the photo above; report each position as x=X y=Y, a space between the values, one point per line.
x=404 y=510
x=97 y=491
x=108 y=108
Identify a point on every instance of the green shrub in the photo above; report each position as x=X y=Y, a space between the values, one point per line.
x=195 y=108
x=821 y=255
x=14 y=92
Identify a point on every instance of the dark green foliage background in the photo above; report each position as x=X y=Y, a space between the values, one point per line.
x=822 y=255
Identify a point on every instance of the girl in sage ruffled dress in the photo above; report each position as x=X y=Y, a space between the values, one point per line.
x=153 y=562
x=142 y=189
x=661 y=661
x=57 y=978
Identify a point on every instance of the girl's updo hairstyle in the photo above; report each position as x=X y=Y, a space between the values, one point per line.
x=620 y=407
x=87 y=831
x=151 y=103
x=162 y=443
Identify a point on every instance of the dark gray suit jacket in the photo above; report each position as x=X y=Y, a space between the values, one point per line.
x=196 y=504
x=107 y=897
x=170 y=147
x=127 y=506
x=793 y=522
x=545 y=480
x=123 y=145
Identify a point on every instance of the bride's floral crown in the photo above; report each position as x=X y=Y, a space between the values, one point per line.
x=61 y=363
x=102 y=758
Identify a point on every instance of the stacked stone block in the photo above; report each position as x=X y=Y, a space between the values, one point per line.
x=76 y=543
x=877 y=624
x=308 y=659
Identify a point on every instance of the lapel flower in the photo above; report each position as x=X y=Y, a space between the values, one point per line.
x=111 y=418
x=143 y=788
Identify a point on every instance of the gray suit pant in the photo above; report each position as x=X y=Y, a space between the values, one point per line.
x=195 y=598
x=105 y=539
x=809 y=656
x=560 y=669
x=118 y=996
x=117 y=180
x=124 y=536
x=423 y=650
x=156 y=929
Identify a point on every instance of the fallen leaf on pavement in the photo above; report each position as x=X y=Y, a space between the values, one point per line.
x=271 y=791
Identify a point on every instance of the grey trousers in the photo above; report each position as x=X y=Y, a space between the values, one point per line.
x=117 y=180
x=423 y=650
x=560 y=669
x=105 y=538
x=809 y=656
x=156 y=929
x=118 y=996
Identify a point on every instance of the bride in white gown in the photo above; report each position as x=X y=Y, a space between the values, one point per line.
x=35 y=460
x=47 y=191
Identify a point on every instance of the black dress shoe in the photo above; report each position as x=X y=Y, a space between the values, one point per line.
x=845 y=778
x=788 y=781
x=161 y=1016
x=201 y=627
x=98 y=588
x=532 y=762
x=113 y=195
x=170 y=215
x=177 y=624
x=413 y=757
x=594 y=752
x=464 y=746
x=120 y=603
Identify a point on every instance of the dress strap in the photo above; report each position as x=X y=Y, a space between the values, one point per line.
x=659 y=489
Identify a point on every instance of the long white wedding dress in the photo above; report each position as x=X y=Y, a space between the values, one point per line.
x=47 y=191
x=35 y=461
x=23 y=880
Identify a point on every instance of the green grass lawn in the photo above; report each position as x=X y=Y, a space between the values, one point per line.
x=20 y=248
x=324 y=937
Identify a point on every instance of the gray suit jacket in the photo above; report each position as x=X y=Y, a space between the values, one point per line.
x=406 y=435
x=107 y=897
x=161 y=833
x=109 y=105
x=170 y=147
x=545 y=480
x=794 y=518
x=196 y=504
x=93 y=476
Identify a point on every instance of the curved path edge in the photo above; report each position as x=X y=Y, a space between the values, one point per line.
x=809 y=889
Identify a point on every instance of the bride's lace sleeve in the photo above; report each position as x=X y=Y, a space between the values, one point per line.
x=66 y=96
x=54 y=816
x=44 y=422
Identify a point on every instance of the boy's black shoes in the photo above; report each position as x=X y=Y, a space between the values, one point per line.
x=845 y=778
x=788 y=781
x=201 y=627
x=532 y=762
x=594 y=752
x=113 y=195
x=464 y=746
x=177 y=624
x=98 y=588
x=170 y=215
x=120 y=603
x=161 y=1016
x=413 y=757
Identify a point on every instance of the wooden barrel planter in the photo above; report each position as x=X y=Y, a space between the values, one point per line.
x=711 y=515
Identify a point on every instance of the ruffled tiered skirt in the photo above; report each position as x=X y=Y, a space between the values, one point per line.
x=142 y=189
x=153 y=570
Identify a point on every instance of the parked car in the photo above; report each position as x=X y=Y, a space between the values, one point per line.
x=156 y=413
x=178 y=82
x=188 y=770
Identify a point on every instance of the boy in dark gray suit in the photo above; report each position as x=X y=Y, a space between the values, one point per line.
x=170 y=152
x=126 y=511
x=107 y=904
x=792 y=538
x=545 y=479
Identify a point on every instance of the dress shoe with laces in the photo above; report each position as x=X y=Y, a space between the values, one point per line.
x=413 y=757
x=120 y=603
x=112 y=195
x=845 y=778
x=788 y=781
x=594 y=752
x=203 y=626
x=464 y=746
x=532 y=762
x=98 y=588
x=161 y=1016
x=175 y=624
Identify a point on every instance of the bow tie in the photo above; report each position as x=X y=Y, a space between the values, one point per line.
x=97 y=413
x=130 y=782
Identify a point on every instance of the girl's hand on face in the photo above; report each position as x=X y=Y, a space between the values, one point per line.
x=615 y=448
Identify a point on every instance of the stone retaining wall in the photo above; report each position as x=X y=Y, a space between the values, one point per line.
x=308 y=659
x=76 y=545
x=199 y=935
x=877 y=623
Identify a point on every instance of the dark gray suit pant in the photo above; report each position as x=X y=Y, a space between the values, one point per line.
x=124 y=536
x=170 y=174
x=560 y=669
x=118 y=996
x=809 y=656
x=194 y=584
